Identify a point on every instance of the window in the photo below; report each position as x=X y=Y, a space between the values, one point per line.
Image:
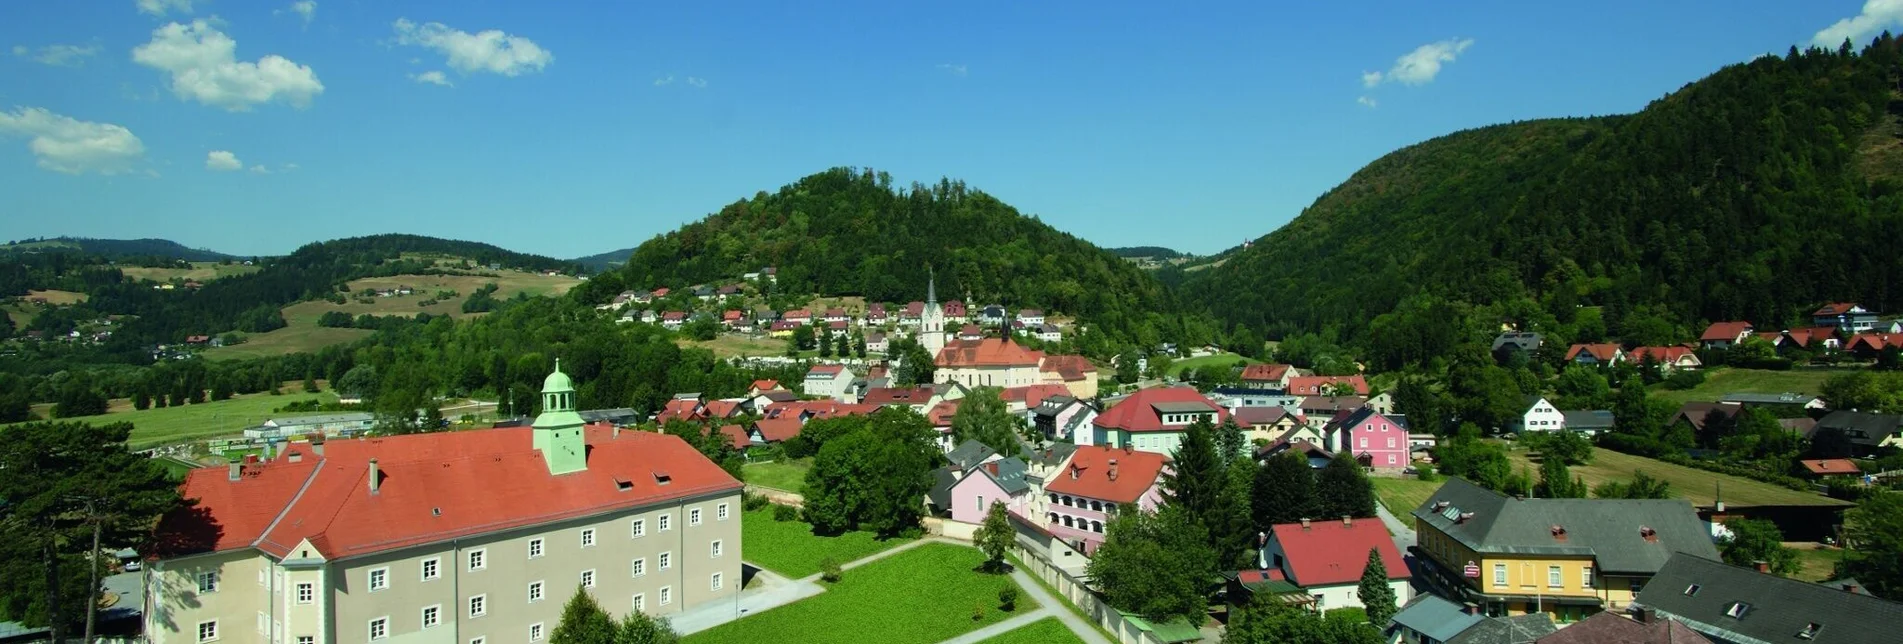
x=1692 y=590
x=535 y=591
x=693 y=516
x=720 y=512
x=306 y=592
x=478 y=640
x=264 y=622
x=1585 y=578
x=1810 y=631
x=208 y=583
x=667 y=595
x=640 y=602
x=715 y=582
x=478 y=605
x=208 y=631
x=1390 y=441
x=588 y=578
x=260 y=576
x=379 y=579
x=1552 y=577
x=665 y=524
x=1499 y=574
x=379 y=628
x=640 y=567
x=307 y=639
x=981 y=503
x=535 y=632
x=714 y=548
x=1737 y=610
x=535 y=548
x=478 y=559
x=588 y=538
x=638 y=528
x=666 y=560
x=432 y=568
x=1364 y=441
x=432 y=616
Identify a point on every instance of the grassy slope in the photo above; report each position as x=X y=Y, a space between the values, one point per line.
x=728 y=346
x=1043 y=631
x=787 y=475
x=791 y=549
x=201 y=271
x=1401 y=496
x=1695 y=485
x=1815 y=562
x=1225 y=359
x=222 y=418
x=297 y=338
x=1719 y=382
x=920 y=596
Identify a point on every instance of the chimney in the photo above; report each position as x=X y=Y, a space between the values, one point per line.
x=1304 y=523
x=234 y=469
x=1347 y=521
x=317 y=444
x=1762 y=566
x=1470 y=608
x=1648 y=615
x=1075 y=472
x=296 y=457
x=617 y=432
x=376 y=477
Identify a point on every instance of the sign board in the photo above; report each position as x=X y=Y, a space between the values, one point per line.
x=1473 y=570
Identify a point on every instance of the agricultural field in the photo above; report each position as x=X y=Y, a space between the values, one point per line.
x=200 y=271
x=1044 y=631
x=306 y=338
x=791 y=549
x=788 y=475
x=727 y=345
x=1401 y=496
x=1724 y=380
x=927 y=594
x=169 y=425
x=1695 y=485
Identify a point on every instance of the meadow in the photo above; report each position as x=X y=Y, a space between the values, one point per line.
x=1692 y=484
x=791 y=549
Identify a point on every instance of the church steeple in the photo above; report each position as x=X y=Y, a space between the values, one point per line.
x=931 y=285
x=557 y=430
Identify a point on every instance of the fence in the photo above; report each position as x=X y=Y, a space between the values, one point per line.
x=1078 y=594
x=949 y=529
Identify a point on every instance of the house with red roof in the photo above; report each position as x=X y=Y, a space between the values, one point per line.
x=839 y=328
x=971 y=333
x=828 y=380
x=1593 y=355
x=836 y=314
x=917 y=399
x=1669 y=359
x=1267 y=423
x=876 y=316
x=661 y=292
x=1722 y=335
x=1868 y=346
x=482 y=533
x=687 y=410
x=955 y=311
x=775 y=430
x=940 y=416
x=1326 y=557
x=1827 y=467
x=1077 y=373
x=1153 y=420
x=673 y=319
x=1084 y=494
x=763 y=385
x=737 y=436
x=1020 y=400
x=1267 y=376
x=1320 y=385
x=1814 y=338
x=912 y=313
x=1847 y=316
x=801 y=317
x=731 y=318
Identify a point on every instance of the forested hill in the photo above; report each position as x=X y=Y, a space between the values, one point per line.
x=116 y=248
x=605 y=261
x=1754 y=194
x=850 y=232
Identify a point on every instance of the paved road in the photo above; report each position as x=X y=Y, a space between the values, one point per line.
x=1403 y=532
x=1082 y=629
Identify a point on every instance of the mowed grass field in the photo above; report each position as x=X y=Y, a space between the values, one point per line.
x=1043 y=631
x=1725 y=380
x=1695 y=485
x=920 y=596
x=791 y=549
x=307 y=338
x=1224 y=359
x=205 y=420
x=731 y=346
x=1401 y=496
x=200 y=271
x=789 y=475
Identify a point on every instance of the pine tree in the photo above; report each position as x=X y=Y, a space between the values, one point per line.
x=1377 y=597
x=1231 y=441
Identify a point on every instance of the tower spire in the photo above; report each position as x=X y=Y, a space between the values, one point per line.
x=931 y=285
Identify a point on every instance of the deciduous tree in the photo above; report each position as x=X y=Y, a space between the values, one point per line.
x=1155 y=564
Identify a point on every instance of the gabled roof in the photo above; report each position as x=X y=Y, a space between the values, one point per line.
x=1348 y=420
x=1622 y=535
x=1330 y=405
x=1053 y=454
x=1835 y=308
x=1090 y=474
x=1434 y=617
x=897 y=395
x=1260 y=372
x=1588 y=419
x=1252 y=416
x=1070 y=368
x=1600 y=352
x=1008 y=473
x=941 y=414
x=1033 y=395
x=1725 y=331
x=765 y=384
x=988 y=352
x=942 y=481
x=1139 y=413
x=1312 y=385
x=969 y=454
x=1830 y=466
x=1518 y=629
x=1517 y=340
x=1695 y=412
x=774 y=430
x=1752 y=398
x=1610 y=627
x=825 y=370
x=1331 y=552
x=1774 y=609
x=722 y=408
x=1662 y=355
x=736 y=436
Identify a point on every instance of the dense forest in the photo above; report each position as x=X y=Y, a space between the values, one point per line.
x=116 y=248
x=1755 y=194
x=604 y=261
x=1152 y=252
x=850 y=232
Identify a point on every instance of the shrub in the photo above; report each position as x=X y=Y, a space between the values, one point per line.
x=977 y=612
x=752 y=502
x=1685 y=379
x=1008 y=598
x=1425 y=472
x=829 y=569
x=785 y=513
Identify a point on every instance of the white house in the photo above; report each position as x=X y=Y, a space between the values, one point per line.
x=829 y=380
x=1540 y=416
x=1326 y=557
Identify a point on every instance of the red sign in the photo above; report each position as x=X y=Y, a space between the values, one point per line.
x=1473 y=570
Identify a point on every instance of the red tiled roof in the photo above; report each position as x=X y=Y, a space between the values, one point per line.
x=1874 y=341
x=674 y=315
x=1327 y=553
x=1661 y=355
x=988 y=352
x=1834 y=308
x=1259 y=576
x=1070 y=368
x=914 y=308
x=1031 y=395
x=784 y=325
x=1603 y=352
x=1831 y=466
x=1137 y=413
x=941 y=413
x=736 y=436
x=774 y=430
x=1726 y=331
x=836 y=324
x=730 y=316
x=1030 y=313
x=722 y=409
x=1312 y=385
x=897 y=395
x=1613 y=627
x=764 y=384
x=1262 y=372
x=825 y=369
x=955 y=308
x=796 y=314
x=1087 y=474
x=678 y=409
x=661 y=292
x=435 y=487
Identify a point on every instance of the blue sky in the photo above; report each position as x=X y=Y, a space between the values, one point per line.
x=571 y=128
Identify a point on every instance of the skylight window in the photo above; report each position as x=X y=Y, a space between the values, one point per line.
x=1737 y=610
x=1692 y=590
x=1810 y=631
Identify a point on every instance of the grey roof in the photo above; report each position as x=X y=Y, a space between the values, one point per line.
x=1052 y=455
x=1594 y=419
x=969 y=454
x=1609 y=530
x=1435 y=617
x=942 y=481
x=1863 y=428
x=1053 y=405
x=1775 y=609
x=1009 y=475
x=1353 y=419
x=1786 y=398
x=353 y=417
x=1520 y=629
x=621 y=415
x=1519 y=340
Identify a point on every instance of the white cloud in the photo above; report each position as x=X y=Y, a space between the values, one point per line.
x=1419 y=67
x=697 y=83
x=488 y=51
x=955 y=70
x=161 y=7
x=1876 y=16
x=665 y=80
x=1366 y=100
x=223 y=161
x=64 y=144
x=258 y=169
x=58 y=55
x=204 y=67
x=306 y=9
x=433 y=77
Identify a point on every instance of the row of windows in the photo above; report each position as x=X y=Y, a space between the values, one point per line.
x=1071 y=502
x=1364 y=442
x=1078 y=523
x=1555 y=577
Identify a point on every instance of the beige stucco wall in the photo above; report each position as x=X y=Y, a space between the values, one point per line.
x=177 y=607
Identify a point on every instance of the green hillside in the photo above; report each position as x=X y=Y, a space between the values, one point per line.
x=1753 y=194
x=117 y=248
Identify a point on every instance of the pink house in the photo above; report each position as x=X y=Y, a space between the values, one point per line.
x=999 y=481
x=1375 y=440
x=1085 y=493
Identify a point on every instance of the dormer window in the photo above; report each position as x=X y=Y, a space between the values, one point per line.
x=1692 y=590
x=1810 y=631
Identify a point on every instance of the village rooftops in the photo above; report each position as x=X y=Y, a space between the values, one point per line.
x=1724 y=331
x=1736 y=604
x=988 y=352
x=1622 y=535
x=1332 y=552
x=1108 y=474
x=1264 y=372
x=1143 y=411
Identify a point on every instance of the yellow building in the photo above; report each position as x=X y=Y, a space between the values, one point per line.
x=1567 y=557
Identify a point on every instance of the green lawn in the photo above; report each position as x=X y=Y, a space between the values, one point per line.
x=924 y=595
x=1695 y=485
x=1401 y=496
x=188 y=422
x=791 y=549
x=175 y=468
x=1224 y=359
x=1074 y=610
x=296 y=338
x=1815 y=562
x=1043 y=631
x=1724 y=380
x=787 y=475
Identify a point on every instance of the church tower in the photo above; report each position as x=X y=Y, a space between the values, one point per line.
x=931 y=323
x=557 y=430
